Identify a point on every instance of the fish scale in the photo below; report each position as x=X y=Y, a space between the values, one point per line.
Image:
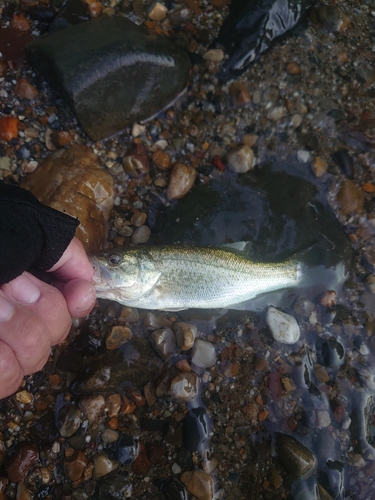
x=179 y=277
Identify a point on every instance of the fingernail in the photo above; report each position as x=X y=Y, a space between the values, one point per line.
x=87 y=301
x=6 y=309
x=24 y=290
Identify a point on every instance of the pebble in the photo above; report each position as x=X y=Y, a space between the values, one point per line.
x=162 y=160
x=323 y=419
x=73 y=181
x=94 y=7
x=20 y=22
x=24 y=397
x=69 y=420
x=136 y=163
x=199 y=484
x=23 y=493
x=328 y=299
x=8 y=128
x=293 y=68
x=113 y=405
x=138 y=130
x=114 y=486
x=25 y=89
x=183 y=387
x=138 y=219
x=196 y=429
x=141 y=235
x=276 y=113
x=126 y=450
x=345 y=162
x=350 y=198
x=74 y=465
x=181 y=181
x=25 y=456
x=173 y=488
x=214 y=55
x=129 y=314
x=203 y=354
x=103 y=465
x=240 y=94
x=319 y=166
x=240 y=160
x=158 y=12
x=283 y=327
x=185 y=335
x=92 y=407
x=109 y=436
x=118 y=336
x=296 y=458
x=164 y=341
x=303 y=156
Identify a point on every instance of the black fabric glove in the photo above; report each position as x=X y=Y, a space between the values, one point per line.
x=33 y=236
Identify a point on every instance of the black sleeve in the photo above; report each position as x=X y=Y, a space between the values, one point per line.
x=32 y=236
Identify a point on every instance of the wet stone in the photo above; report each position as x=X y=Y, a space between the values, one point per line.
x=69 y=420
x=126 y=450
x=25 y=456
x=25 y=90
x=74 y=465
x=141 y=235
x=129 y=314
x=164 y=341
x=181 y=181
x=196 y=429
x=214 y=55
x=92 y=407
x=135 y=162
x=103 y=465
x=283 y=327
x=93 y=79
x=183 y=387
x=109 y=436
x=240 y=160
x=330 y=352
x=73 y=181
x=114 y=487
x=203 y=354
x=296 y=458
x=172 y=489
x=198 y=483
x=8 y=128
x=350 y=198
x=185 y=335
x=118 y=336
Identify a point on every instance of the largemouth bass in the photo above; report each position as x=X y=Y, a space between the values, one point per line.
x=173 y=278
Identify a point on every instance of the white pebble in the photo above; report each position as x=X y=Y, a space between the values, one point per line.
x=176 y=469
x=141 y=235
x=138 y=130
x=283 y=327
x=214 y=55
x=203 y=354
x=323 y=419
x=303 y=156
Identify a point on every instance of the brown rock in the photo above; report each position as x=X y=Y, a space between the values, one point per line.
x=138 y=219
x=118 y=336
x=158 y=12
x=136 y=163
x=162 y=160
x=25 y=90
x=293 y=68
x=61 y=138
x=219 y=4
x=8 y=127
x=92 y=407
x=103 y=465
x=25 y=456
x=113 y=405
x=129 y=314
x=198 y=483
x=319 y=166
x=141 y=464
x=3 y=69
x=239 y=93
x=12 y=44
x=127 y=406
x=94 y=7
x=73 y=181
x=20 y=22
x=274 y=385
x=181 y=181
x=350 y=198
x=75 y=465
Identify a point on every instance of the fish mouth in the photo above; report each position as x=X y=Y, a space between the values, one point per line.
x=102 y=278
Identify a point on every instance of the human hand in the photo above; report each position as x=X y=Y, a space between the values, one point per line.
x=35 y=315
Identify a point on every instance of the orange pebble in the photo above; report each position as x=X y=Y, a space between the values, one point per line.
x=262 y=415
x=8 y=128
x=368 y=187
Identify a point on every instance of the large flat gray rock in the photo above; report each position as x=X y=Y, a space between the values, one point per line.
x=111 y=72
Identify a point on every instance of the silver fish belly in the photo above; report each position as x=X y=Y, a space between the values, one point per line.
x=179 y=277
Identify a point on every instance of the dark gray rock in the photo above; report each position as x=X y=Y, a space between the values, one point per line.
x=111 y=72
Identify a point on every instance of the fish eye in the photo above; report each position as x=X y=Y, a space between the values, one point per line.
x=114 y=259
